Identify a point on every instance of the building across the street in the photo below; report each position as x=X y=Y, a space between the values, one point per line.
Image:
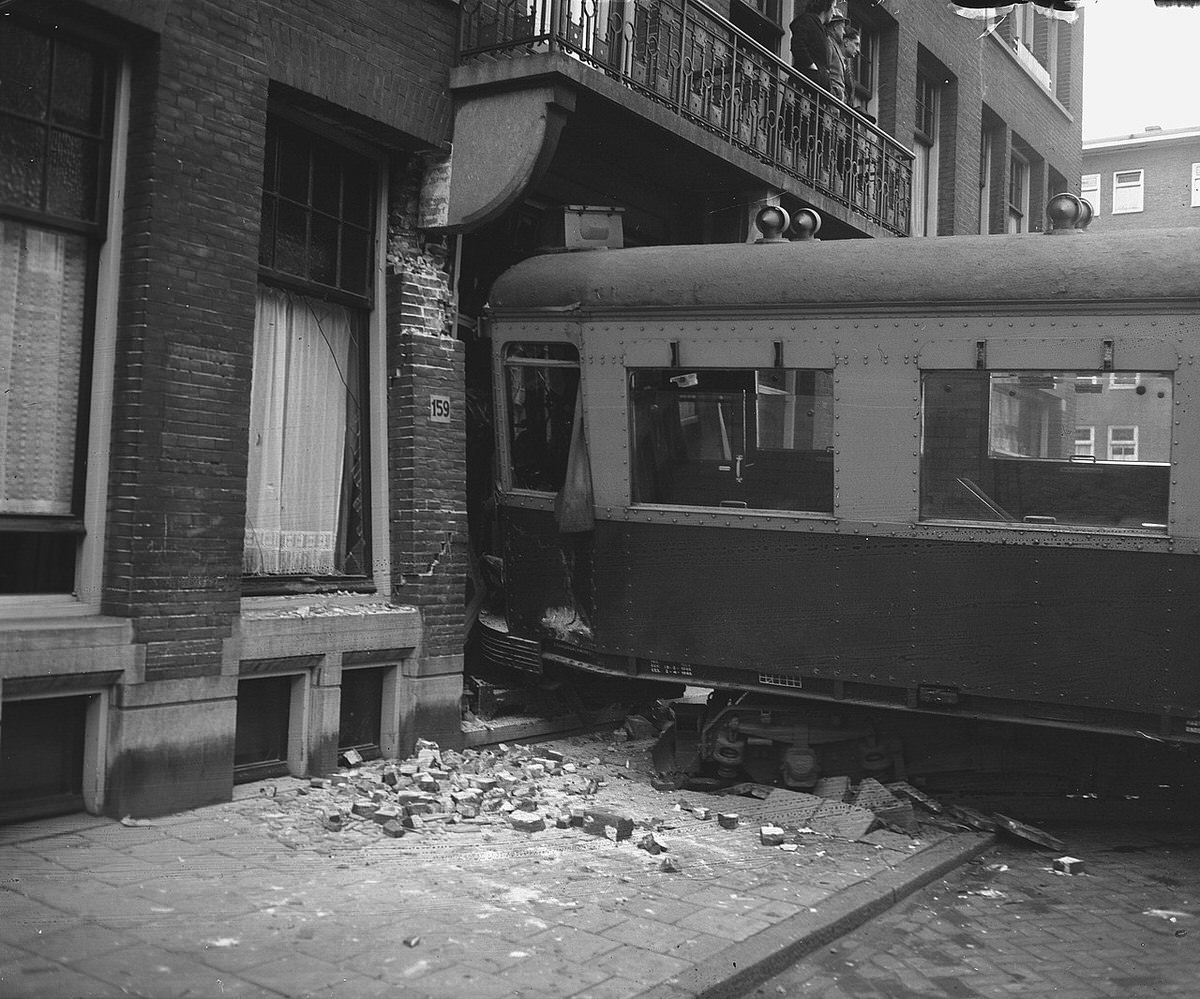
x=245 y=253
x=1145 y=180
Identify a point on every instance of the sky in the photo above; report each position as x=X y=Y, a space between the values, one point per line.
x=1141 y=66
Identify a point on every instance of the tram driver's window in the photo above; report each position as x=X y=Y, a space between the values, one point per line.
x=736 y=438
x=1020 y=447
x=542 y=386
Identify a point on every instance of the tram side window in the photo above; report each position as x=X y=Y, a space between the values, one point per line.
x=1020 y=447
x=742 y=438
x=542 y=386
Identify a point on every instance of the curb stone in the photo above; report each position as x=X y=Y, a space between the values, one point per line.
x=738 y=969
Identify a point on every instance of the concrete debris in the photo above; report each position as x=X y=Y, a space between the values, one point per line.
x=653 y=844
x=1067 y=865
x=771 y=835
x=669 y=866
x=637 y=727
x=350 y=758
x=905 y=790
x=727 y=820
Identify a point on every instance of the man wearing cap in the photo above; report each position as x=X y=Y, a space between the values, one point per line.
x=834 y=55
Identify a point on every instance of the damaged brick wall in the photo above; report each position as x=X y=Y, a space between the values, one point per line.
x=427 y=438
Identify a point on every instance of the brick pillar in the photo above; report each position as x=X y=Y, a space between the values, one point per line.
x=427 y=465
x=181 y=391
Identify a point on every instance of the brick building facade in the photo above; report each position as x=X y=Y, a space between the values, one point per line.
x=236 y=542
x=1147 y=180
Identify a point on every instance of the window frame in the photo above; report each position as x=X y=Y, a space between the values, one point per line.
x=505 y=431
x=1018 y=211
x=1132 y=441
x=100 y=229
x=925 y=166
x=1085 y=188
x=1088 y=440
x=368 y=308
x=1139 y=186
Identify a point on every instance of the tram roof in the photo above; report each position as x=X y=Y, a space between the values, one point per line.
x=1156 y=268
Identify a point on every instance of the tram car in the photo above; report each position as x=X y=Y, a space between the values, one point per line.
x=956 y=475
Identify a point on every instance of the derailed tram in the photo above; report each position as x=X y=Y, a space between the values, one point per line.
x=956 y=476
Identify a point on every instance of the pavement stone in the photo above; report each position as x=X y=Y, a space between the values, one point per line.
x=255 y=897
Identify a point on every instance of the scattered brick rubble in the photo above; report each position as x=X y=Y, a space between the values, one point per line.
x=588 y=784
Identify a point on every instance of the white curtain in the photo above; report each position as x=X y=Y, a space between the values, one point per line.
x=304 y=365
x=42 y=287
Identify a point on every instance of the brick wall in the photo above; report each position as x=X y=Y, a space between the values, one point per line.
x=185 y=324
x=1167 y=197
x=427 y=458
x=975 y=70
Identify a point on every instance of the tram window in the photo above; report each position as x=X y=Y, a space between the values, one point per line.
x=1020 y=447
x=741 y=438
x=542 y=386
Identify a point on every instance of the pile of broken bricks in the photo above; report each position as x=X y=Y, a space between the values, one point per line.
x=533 y=788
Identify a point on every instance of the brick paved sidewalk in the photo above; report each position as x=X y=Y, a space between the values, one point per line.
x=245 y=899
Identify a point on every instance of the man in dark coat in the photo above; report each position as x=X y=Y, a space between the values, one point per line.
x=810 y=53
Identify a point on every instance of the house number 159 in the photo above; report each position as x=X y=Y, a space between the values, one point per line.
x=439 y=409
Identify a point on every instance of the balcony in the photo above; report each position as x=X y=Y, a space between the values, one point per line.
x=694 y=65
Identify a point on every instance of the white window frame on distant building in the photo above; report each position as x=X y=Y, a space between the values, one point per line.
x=1085 y=442
x=1089 y=190
x=1122 y=443
x=1196 y=185
x=1124 y=380
x=1128 y=191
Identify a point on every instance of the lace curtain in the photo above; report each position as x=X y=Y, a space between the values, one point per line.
x=43 y=279
x=305 y=370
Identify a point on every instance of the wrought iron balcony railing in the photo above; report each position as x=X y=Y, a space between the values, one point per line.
x=684 y=55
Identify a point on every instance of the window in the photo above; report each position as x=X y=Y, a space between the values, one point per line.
x=1128 y=189
x=1124 y=380
x=1089 y=190
x=1019 y=447
x=1018 y=194
x=542 y=386
x=55 y=114
x=307 y=480
x=1122 y=443
x=866 y=73
x=742 y=438
x=985 y=183
x=1196 y=185
x=925 y=165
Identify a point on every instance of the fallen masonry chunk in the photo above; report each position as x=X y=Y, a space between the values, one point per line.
x=391 y=777
x=669 y=866
x=527 y=821
x=638 y=727
x=380 y=796
x=364 y=807
x=554 y=754
x=332 y=821
x=569 y=768
x=338 y=780
x=702 y=813
x=535 y=771
x=1068 y=865
x=387 y=813
x=414 y=822
x=351 y=757
x=596 y=823
x=318 y=782
x=562 y=820
x=482 y=783
x=728 y=820
x=652 y=844
x=771 y=835
x=428 y=784
x=577 y=816
x=393 y=828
